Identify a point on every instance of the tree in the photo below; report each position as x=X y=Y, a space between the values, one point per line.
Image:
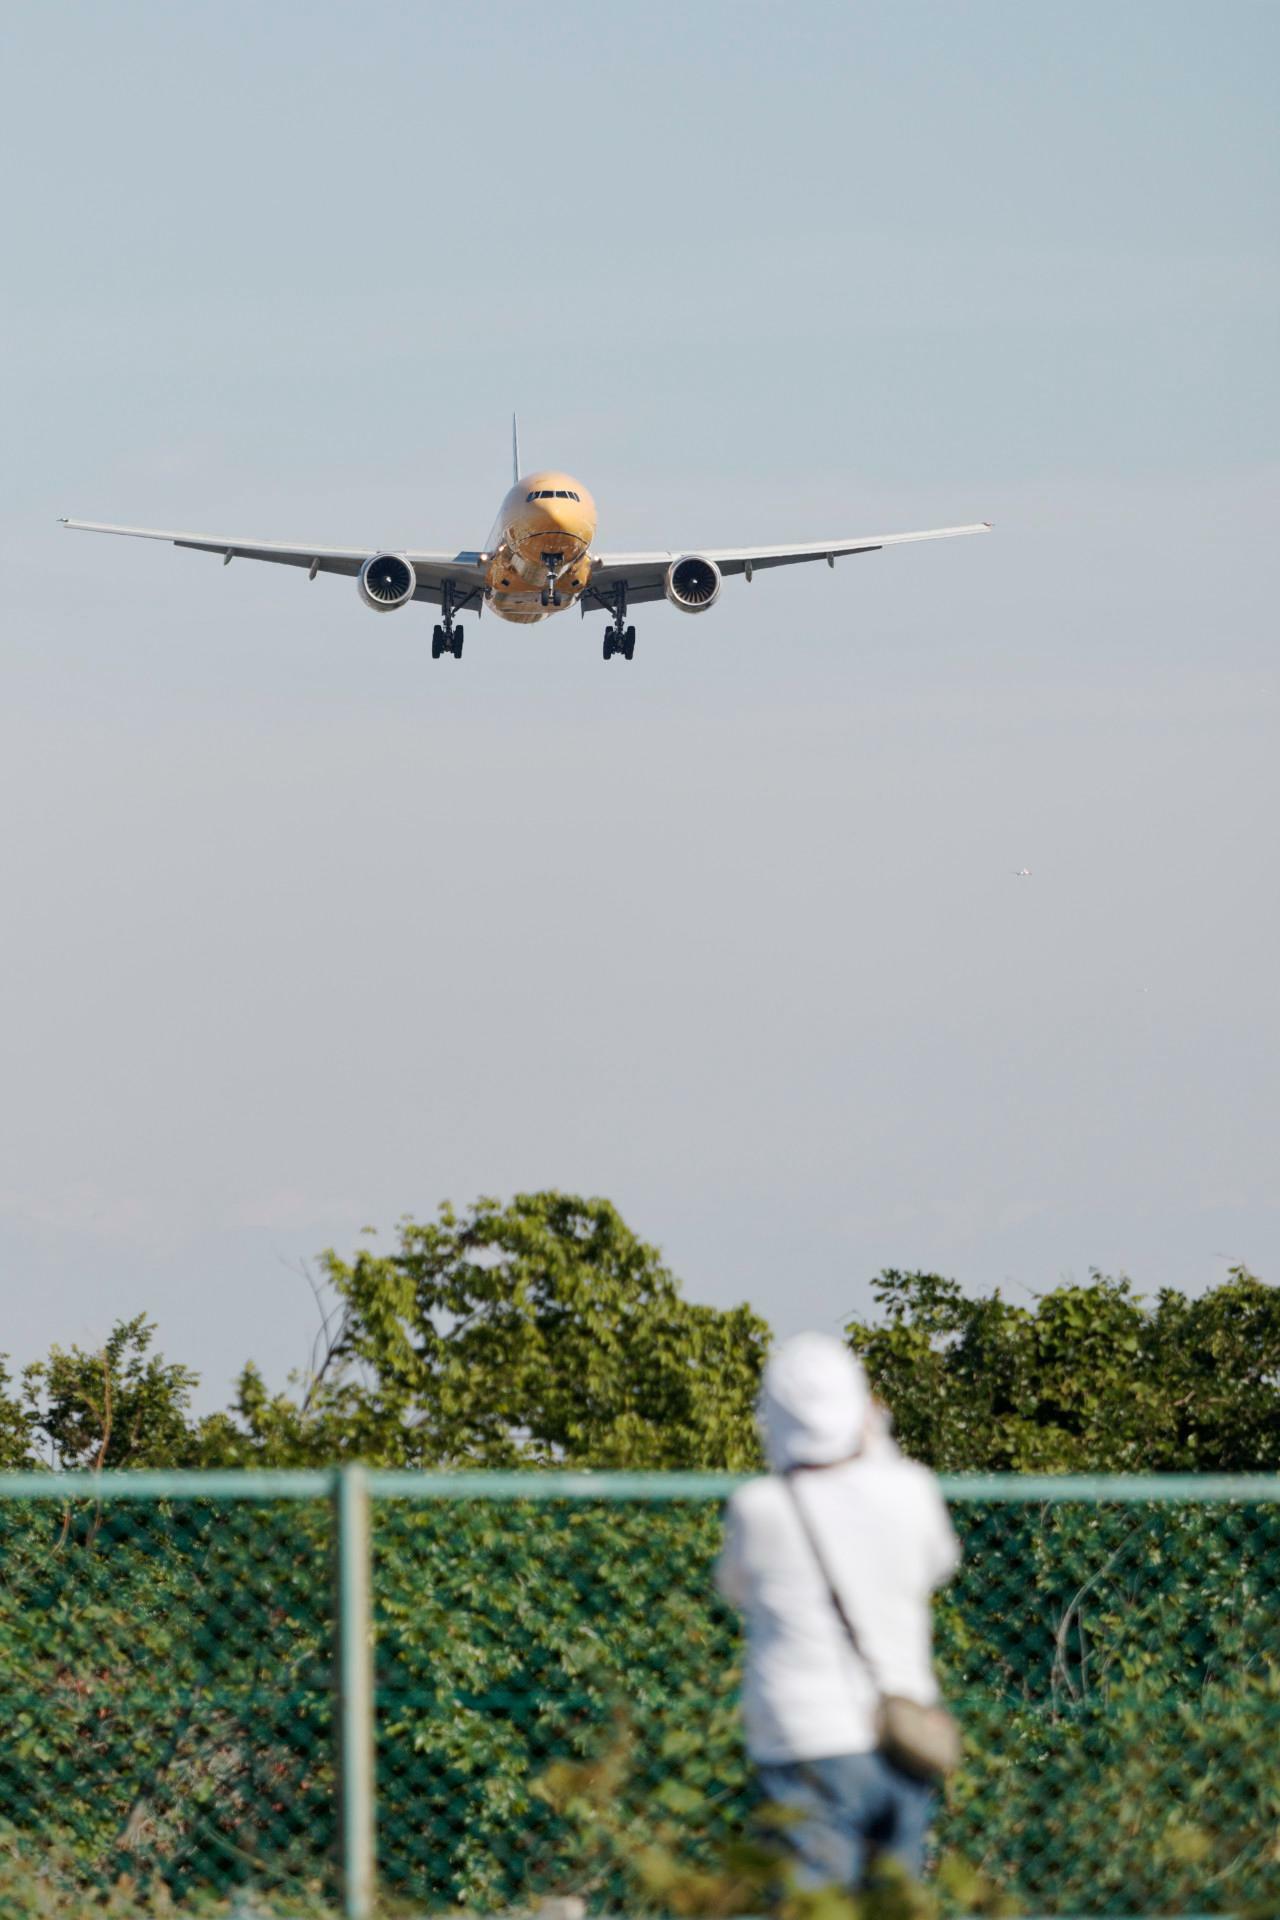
x=120 y=1407
x=546 y=1332
x=15 y=1426
x=543 y=1332
x=1085 y=1379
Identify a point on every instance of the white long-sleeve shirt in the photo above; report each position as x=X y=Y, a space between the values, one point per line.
x=887 y=1542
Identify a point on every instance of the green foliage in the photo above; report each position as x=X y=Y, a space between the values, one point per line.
x=538 y=1333
x=1085 y=1379
x=165 y=1693
x=545 y=1332
x=557 y=1711
x=122 y=1407
x=16 y=1426
x=557 y=1692
x=1115 y=1670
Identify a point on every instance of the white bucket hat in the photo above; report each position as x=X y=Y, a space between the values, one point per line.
x=814 y=1402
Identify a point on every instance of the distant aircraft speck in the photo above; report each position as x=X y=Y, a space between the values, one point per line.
x=1022 y=873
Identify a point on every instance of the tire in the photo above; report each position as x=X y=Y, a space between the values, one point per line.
x=629 y=645
x=608 y=646
x=437 y=636
x=546 y=598
x=457 y=643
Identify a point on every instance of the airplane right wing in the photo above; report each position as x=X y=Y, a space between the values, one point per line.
x=464 y=571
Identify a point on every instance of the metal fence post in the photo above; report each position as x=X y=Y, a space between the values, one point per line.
x=353 y=1661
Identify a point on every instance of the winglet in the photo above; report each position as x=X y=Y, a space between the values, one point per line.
x=515 y=449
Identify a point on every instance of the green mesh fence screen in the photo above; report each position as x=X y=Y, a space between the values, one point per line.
x=555 y=1694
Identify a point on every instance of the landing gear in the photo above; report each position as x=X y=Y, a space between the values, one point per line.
x=446 y=638
x=619 y=637
x=551 y=593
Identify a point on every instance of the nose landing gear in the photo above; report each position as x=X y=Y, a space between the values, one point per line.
x=618 y=636
x=551 y=592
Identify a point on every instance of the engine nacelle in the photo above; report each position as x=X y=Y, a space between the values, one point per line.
x=387 y=581
x=693 y=584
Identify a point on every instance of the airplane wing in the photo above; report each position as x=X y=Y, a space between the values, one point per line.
x=644 y=573
x=465 y=570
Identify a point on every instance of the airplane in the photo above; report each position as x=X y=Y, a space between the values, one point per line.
x=538 y=560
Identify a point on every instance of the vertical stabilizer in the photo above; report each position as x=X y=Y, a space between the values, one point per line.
x=515 y=449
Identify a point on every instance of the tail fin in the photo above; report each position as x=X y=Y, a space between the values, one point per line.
x=515 y=449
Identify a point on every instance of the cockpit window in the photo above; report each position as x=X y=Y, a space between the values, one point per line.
x=553 y=493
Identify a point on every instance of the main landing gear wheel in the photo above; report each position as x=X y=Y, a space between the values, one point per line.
x=446 y=638
x=619 y=637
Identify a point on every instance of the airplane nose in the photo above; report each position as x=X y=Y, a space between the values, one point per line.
x=552 y=516
x=561 y=516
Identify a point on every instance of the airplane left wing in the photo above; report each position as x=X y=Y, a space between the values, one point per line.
x=644 y=574
x=464 y=570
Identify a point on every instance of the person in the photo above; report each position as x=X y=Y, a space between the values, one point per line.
x=874 y=1526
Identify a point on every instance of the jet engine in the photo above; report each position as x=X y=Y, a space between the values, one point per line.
x=693 y=584
x=386 y=582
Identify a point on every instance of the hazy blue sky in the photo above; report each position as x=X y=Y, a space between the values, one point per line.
x=301 y=931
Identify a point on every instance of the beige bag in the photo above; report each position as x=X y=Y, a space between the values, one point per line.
x=922 y=1741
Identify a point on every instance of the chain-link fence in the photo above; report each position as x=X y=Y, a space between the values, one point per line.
x=482 y=1691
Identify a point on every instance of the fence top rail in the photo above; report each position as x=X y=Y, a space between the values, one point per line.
x=233 y=1484
x=1099 y=1488
x=1092 y=1488
x=252 y=1485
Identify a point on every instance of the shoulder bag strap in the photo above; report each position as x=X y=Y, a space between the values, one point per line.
x=842 y=1612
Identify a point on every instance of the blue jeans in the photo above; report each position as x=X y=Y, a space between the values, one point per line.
x=847 y=1813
